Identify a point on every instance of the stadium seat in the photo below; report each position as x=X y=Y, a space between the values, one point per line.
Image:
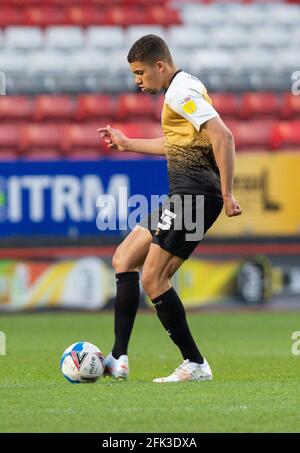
x=209 y=60
x=259 y=104
x=202 y=15
x=125 y=16
x=81 y=136
x=64 y=37
x=37 y=136
x=131 y=129
x=87 y=61
x=270 y=37
x=161 y=15
x=25 y=38
x=41 y=154
x=85 y=154
x=48 y=62
x=151 y=130
x=286 y=135
x=286 y=16
x=187 y=37
x=16 y=108
x=27 y=85
x=87 y=15
x=290 y=106
x=136 y=106
x=11 y=16
x=8 y=156
x=97 y=37
x=228 y=37
x=13 y=62
x=93 y=106
x=50 y=107
x=9 y=137
x=226 y=104
x=251 y=134
x=44 y=16
x=246 y=15
x=135 y=32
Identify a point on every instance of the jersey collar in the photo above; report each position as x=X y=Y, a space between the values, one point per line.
x=172 y=78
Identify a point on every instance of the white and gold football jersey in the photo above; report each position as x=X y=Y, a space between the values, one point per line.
x=191 y=163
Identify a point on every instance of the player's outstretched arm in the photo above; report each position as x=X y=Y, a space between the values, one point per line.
x=224 y=151
x=115 y=139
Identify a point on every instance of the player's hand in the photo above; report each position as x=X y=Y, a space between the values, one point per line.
x=114 y=138
x=232 y=208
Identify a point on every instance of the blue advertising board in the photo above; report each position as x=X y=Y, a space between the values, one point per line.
x=62 y=198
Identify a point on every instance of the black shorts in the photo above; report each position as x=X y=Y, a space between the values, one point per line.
x=180 y=223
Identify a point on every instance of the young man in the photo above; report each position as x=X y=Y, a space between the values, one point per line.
x=200 y=153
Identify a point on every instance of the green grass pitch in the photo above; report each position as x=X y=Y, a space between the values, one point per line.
x=255 y=388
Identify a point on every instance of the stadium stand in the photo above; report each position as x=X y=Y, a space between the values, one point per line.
x=256 y=39
x=65 y=77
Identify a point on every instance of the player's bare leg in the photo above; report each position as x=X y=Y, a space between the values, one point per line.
x=127 y=260
x=159 y=267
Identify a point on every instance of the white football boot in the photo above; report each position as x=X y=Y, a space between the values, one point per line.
x=117 y=368
x=188 y=371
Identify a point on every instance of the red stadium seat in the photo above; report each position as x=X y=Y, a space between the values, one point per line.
x=259 y=104
x=43 y=16
x=54 y=107
x=28 y=2
x=132 y=130
x=11 y=16
x=226 y=104
x=16 y=108
x=290 y=106
x=37 y=136
x=81 y=136
x=286 y=134
x=152 y=129
x=86 y=15
x=8 y=155
x=43 y=154
x=85 y=154
x=9 y=137
x=138 y=106
x=161 y=15
x=251 y=134
x=125 y=16
x=93 y=106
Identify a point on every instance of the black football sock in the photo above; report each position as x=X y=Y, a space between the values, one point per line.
x=171 y=313
x=126 y=305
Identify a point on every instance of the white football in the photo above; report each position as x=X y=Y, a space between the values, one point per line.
x=82 y=362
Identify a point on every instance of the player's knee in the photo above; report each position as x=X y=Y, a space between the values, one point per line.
x=120 y=262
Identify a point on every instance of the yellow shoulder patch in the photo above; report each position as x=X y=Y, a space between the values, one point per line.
x=189 y=107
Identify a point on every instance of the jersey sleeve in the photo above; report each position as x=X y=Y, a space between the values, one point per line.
x=194 y=105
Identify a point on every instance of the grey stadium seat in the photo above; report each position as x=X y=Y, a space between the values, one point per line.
x=98 y=37
x=47 y=62
x=87 y=61
x=203 y=15
x=187 y=37
x=64 y=37
x=135 y=32
x=212 y=60
x=229 y=37
x=269 y=37
x=13 y=61
x=23 y=38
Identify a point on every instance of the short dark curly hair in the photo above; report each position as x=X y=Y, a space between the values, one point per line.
x=148 y=49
